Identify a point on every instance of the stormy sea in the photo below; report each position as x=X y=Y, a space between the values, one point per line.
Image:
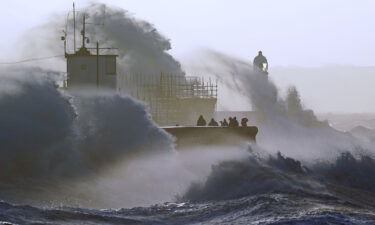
x=96 y=157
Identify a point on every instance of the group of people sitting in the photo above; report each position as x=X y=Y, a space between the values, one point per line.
x=233 y=122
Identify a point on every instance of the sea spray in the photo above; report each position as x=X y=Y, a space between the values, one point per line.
x=253 y=175
x=260 y=174
x=286 y=128
x=88 y=149
x=141 y=48
x=111 y=126
x=284 y=122
x=39 y=118
x=160 y=177
x=36 y=121
x=50 y=137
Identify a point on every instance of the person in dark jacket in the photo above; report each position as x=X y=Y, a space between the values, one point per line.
x=233 y=122
x=230 y=124
x=225 y=123
x=201 y=121
x=213 y=123
x=244 y=122
x=260 y=63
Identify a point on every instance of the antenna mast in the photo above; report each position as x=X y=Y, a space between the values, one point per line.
x=74 y=25
x=84 y=31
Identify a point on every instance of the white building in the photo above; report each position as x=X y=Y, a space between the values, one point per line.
x=86 y=70
x=171 y=99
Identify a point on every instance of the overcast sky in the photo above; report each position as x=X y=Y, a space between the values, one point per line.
x=304 y=33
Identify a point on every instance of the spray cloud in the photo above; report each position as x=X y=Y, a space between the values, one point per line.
x=284 y=123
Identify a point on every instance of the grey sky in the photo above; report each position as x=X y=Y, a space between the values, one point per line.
x=305 y=33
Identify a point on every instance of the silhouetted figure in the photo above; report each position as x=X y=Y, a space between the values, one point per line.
x=230 y=119
x=244 y=122
x=260 y=63
x=233 y=122
x=225 y=123
x=201 y=121
x=213 y=123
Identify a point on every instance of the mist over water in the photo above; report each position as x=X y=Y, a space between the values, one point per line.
x=258 y=174
x=102 y=149
x=88 y=149
x=141 y=48
x=295 y=152
x=285 y=124
x=47 y=135
x=36 y=120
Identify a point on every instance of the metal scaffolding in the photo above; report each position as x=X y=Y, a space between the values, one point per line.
x=168 y=96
